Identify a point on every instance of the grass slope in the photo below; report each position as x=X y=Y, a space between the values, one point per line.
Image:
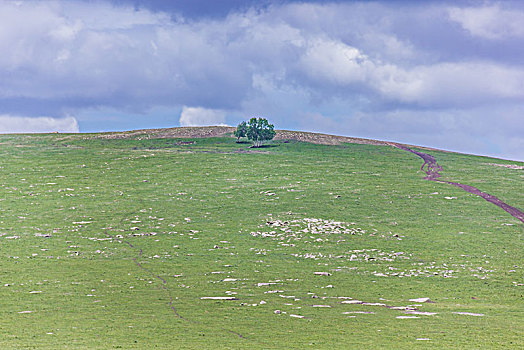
x=90 y=228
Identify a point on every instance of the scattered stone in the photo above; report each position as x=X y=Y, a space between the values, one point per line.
x=402 y=308
x=297 y=316
x=351 y=302
x=420 y=300
x=45 y=235
x=509 y=166
x=357 y=312
x=278 y=312
x=219 y=298
x=468 y=313
x=407 y=317
x=424 y=313
x=25 y=312
x=265 y=284
x=322 y=274
x=321 y=305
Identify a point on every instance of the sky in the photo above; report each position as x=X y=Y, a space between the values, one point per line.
x=444 y=74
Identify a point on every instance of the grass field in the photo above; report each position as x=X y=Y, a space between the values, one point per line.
x=113 y=243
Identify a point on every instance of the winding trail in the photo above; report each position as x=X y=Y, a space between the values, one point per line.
x=164 y=284
x=149 y=272
x=433 y=170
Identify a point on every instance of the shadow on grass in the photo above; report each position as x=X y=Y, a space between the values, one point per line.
x=264 y=146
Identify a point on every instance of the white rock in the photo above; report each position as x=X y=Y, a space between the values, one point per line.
x=468 y=314
x=351 y=302
x=218 y=298
x=424 y=313
x=402 y=308
x=265 y=284
x=420 y=300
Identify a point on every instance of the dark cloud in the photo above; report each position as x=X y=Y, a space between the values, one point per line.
x=196 y=8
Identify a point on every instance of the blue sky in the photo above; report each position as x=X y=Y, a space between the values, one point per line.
x=444 y=74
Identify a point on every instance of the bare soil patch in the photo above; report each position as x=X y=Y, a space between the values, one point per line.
x=182 y=132
x=222 y=131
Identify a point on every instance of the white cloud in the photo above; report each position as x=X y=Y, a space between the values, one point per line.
x=336 y=62
x=198 y=116
x=18 y=124
x=451 y=84
x=490 y=22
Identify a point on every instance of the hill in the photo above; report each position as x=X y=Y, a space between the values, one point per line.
x=164 y=238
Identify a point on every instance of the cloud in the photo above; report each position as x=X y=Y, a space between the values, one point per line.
x=336 y=62
x=135 y=59
x=18 y=124
x=452 y=84
x=288 y=61
x=490 y=22
x=198 y=116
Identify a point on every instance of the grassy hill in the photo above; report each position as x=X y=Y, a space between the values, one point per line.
x=125 y=240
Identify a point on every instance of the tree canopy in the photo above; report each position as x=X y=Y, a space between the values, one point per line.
x=259 y=130
x=241 y=131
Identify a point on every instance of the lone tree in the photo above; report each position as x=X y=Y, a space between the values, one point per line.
x=259 y=130
x=241 y=131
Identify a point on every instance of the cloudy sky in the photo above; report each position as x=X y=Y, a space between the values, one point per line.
x=435 y=73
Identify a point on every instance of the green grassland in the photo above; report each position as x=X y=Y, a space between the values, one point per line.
x=97 y=235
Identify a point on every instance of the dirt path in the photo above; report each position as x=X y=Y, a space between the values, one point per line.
x=433 y=170
x=164 y=284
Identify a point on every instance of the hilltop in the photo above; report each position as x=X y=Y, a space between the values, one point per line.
x=224 y=131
